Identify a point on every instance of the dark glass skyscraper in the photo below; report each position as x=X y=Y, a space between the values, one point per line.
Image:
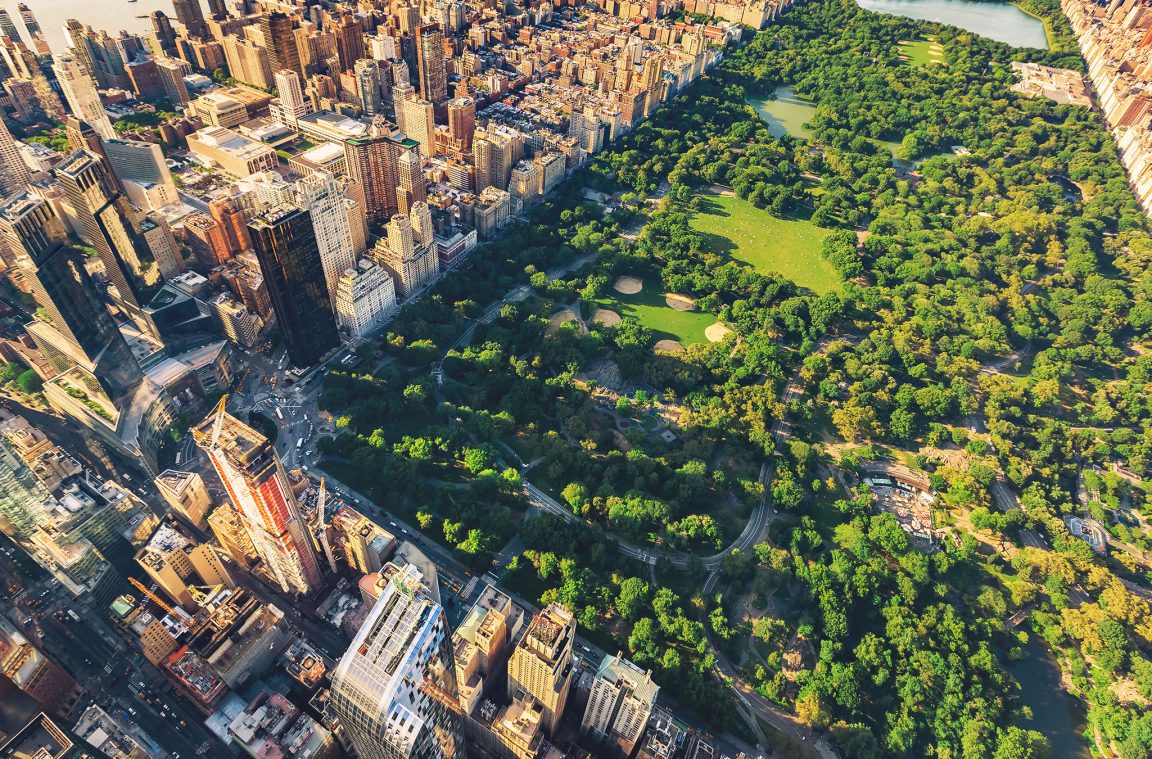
x=109 y=224
x=289 y=258
x=79 y=328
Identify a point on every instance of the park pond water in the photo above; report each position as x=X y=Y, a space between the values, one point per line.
x=997 y=21
x=1055 y=713
x=784 y=112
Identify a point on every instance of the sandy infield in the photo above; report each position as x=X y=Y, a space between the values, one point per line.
x=716 y=332
x=606 y=318
x=628 y=285
x=567 y=315
x=679 y=302
x=668 y=346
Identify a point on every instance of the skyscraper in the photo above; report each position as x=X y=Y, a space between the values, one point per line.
x=80 y=92
x=23 y=498
x=368 y=85
x=34 y=30
x=292 y=104
x=164 y=33
x=280 y=42
x=412 y=188
x=462 y=122
x=430 y=60
x=320 y=195
x=620 y=704
x=258 y=486
x=541 y=664
x=286 y=247
x=14 y=175
x=419 y=124
x=373 y=164
x=227 y=212
x=73 y=325
x=349 y=41
x=7 y=27
x=108 y=222
x=493 y=155
x=395 y=688
x=191 y=16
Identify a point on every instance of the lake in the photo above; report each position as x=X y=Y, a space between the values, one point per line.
x=1054 y=712
x=109 y=15
x=785 y=114
x=998 y=21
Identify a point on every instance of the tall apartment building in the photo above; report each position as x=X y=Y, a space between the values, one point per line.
x=280 y=42
x=206 y=239
x=229 y=214
x=162 y=244
x=461 y=123
x=419 y=124
x=494 y=155
x=289 y=256
x=413 y=188
x=368 y=86
x=35 y=674
x=186 y=494
x=394 y=689
x=320 y=193
x=291 y=104
x=412 y=265
x=365 y=298
x=258 y=487
x=373 y=165
x=191 y=17
x=239 y=324
x=177 y=565
x=433 y=77
x=541 y=663
x=79 y=91
x=619 y=705
x=230 y=532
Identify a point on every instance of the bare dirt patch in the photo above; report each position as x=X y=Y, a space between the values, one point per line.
x=668 y=346
x=716 y=332
x=679 y=302
x=606 y=317
x=567 y=315
x=628 y=285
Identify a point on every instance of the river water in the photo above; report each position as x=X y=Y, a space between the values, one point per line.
x=998 y=21
x=1054 y=712
x=109 y=15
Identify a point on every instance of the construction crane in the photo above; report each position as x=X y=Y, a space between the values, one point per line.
x=203 y=594
x=175 y=611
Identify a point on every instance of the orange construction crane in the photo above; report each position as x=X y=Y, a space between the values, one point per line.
x=174 y=611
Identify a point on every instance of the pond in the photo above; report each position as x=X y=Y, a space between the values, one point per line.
x=1055 y=713
x=785 y=114
x=998 y=21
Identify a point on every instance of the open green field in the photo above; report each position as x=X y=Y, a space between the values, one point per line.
x=922 y=52
x=735 y=228
x=648 y=308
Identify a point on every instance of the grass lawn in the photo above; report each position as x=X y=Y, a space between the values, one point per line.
x=738 y=229
x=648 y=308
x=922 y=52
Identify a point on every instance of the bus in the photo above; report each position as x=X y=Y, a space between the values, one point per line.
x=179 y=455
x=299 y=443
x=279 y=413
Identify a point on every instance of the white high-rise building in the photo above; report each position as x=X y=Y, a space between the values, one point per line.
x=620 y=703
x=80 y=92
x=365 y=298
x=292 y=103
x=393 y=686
x=320 y=194
x=14 y=175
